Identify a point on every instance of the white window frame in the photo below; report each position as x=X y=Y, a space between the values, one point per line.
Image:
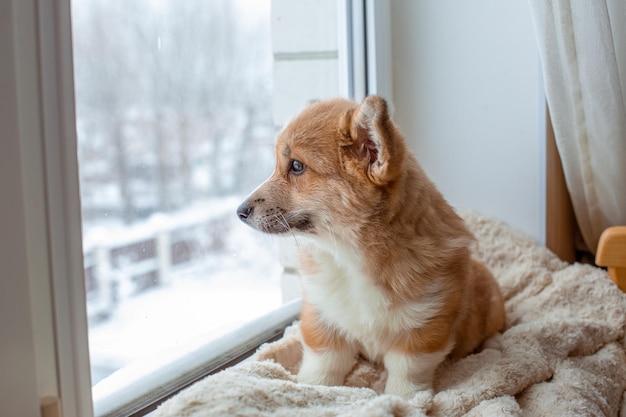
x=46 y=308
x=45 y=237
x=367 y=49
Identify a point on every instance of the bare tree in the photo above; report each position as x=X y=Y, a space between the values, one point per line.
x=173 y=85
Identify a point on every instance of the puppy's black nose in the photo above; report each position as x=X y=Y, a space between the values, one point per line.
x=244 y=211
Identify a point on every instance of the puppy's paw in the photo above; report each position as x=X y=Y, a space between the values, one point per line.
x=408 y=375
x=424 y=400
x=307 y=376
x=325 y=368
x=406 y=388
x=420 y=395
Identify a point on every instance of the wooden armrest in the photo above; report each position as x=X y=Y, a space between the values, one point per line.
x=612 y=254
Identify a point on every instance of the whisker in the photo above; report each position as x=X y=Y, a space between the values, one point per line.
x=280 y=218
x=290 y=230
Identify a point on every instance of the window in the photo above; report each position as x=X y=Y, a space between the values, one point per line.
x=174 y=127
x=43 y=260
x=177 y=107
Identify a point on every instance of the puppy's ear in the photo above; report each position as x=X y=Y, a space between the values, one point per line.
x=370 y=139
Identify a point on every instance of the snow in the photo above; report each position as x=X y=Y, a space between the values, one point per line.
x=200 y=301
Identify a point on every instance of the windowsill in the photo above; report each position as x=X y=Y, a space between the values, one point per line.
x=140 y=387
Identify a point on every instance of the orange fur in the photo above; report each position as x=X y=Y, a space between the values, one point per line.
x=315 y=334
x=380 y=230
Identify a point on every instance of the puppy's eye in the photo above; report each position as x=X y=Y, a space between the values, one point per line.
x=296 y=167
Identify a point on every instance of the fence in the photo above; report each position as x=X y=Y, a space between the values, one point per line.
x=122 y=263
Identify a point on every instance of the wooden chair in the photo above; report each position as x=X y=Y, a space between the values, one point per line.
x=612 y=254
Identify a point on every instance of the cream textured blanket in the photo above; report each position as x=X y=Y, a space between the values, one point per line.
x=562 y=354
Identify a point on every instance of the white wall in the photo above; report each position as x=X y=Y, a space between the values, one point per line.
x=466 y=91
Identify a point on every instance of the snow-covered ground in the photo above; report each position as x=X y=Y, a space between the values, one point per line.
x=201 y=301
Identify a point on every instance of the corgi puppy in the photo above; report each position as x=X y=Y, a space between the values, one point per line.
x=386 y=264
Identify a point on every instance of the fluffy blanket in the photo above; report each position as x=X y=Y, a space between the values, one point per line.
x=562 y=353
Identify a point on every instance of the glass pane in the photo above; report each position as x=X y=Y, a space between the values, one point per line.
x=175 y=127
x=175 y=118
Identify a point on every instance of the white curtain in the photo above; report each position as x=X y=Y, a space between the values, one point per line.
x=582 y=45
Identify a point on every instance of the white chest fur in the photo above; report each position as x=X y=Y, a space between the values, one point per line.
x=350 y=301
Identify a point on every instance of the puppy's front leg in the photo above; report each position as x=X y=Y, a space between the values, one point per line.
x=327 y=367
x=409 y=373
x=327 y=356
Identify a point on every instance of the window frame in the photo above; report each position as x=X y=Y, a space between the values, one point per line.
x=46 y=131
x=58 y=120
x=44 y=237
